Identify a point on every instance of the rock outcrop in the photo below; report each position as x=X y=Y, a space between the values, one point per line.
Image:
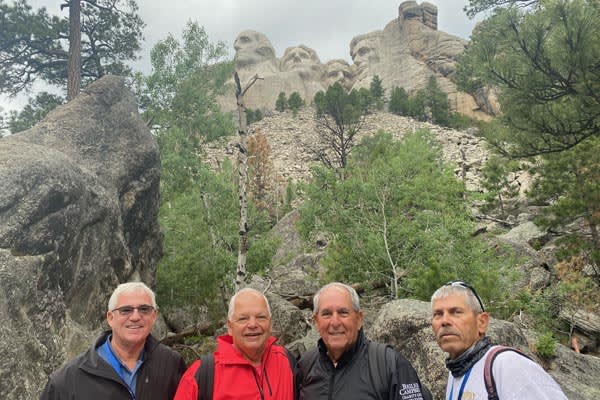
x=78 y=215
x=406 y=53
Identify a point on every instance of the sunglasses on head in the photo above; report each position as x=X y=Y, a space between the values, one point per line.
x=465 y=285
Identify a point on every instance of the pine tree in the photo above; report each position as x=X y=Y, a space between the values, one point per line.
x=377 y=92
x=398 y=101
x=295 y=102
x=281 y=102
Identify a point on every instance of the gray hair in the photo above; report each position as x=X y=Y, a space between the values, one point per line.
x=339 y=285
x=246 y=290
x=468 y=294
x=130 y=287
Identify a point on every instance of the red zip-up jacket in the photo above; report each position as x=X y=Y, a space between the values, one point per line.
x=236 y=378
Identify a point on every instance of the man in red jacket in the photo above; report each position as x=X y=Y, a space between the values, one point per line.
x=248 y=364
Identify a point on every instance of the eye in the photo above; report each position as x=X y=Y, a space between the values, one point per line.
x=125 y=310
x=145 y=309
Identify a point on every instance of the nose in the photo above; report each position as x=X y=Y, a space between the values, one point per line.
x=135 y=315
x=445 y=319
x=335 y=319
x=252 y=322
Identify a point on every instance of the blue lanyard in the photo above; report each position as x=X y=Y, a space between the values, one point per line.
x=462 y=385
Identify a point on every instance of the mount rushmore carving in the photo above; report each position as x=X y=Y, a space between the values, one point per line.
x=406 y=53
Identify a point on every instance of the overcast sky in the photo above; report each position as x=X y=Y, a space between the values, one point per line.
x=327 y=26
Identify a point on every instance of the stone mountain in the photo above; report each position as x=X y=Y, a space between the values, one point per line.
x=405 y=53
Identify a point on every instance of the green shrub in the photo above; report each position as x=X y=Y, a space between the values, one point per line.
x=281 y=102
x=545 y=346
x=295 y=102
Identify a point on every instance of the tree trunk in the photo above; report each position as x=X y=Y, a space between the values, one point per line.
x=243 y=177
x=74 y=68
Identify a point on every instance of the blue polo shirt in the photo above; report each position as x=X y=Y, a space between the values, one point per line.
x=106 y=352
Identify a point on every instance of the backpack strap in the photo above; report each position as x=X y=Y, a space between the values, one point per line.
x=379 y=367
x=293 y=367
x=488 y=376
x=205 y=377
x=205 y=374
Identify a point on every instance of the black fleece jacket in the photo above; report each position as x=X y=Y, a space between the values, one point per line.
x=89 y=377
x=318 y=379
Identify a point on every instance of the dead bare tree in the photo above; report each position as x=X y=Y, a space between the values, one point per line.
x=243 y=178
x=74 y=68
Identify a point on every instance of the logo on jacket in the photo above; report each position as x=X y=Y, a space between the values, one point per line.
x=411 y=391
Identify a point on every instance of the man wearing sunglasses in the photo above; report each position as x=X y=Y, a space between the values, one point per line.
x=126 y=362
x=459 y=322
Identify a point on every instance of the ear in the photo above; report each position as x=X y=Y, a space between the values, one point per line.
x=483 y=320
x=229 y=331
x=360 y=319
x=109 y=318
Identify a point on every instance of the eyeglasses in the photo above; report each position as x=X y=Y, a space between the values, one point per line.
x=125 y=311
x=465 y=285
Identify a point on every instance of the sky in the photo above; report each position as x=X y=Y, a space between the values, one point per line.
x=327 y=26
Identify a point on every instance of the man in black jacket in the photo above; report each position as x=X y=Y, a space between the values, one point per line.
x=345 y=364
x=126 y=362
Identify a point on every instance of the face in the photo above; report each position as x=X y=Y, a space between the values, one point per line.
x=337 y=322
x=250 y=325
x=297 y=57
x=131 y=330
x=455 y=325
x=338 y=71
x=364 y=52
x=251 y=48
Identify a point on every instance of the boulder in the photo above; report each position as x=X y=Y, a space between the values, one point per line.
x=291 y=243
x=78 y=212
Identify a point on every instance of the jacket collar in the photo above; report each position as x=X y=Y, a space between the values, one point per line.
x=149 y=346
x=93 y=361
x=228 y=354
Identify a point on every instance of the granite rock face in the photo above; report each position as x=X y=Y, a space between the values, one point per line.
x=78 y=215
x=405 y=53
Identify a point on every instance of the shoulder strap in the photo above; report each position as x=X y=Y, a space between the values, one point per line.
x=293 y=366
x=205 y=377
x=488 y=376
x=308 y=359
x=291 y=359
x=379 y=368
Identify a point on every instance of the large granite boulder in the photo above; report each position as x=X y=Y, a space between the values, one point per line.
x=78 y=212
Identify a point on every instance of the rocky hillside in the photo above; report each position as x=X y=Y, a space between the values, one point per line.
x=294 y=281
x=289 y=136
